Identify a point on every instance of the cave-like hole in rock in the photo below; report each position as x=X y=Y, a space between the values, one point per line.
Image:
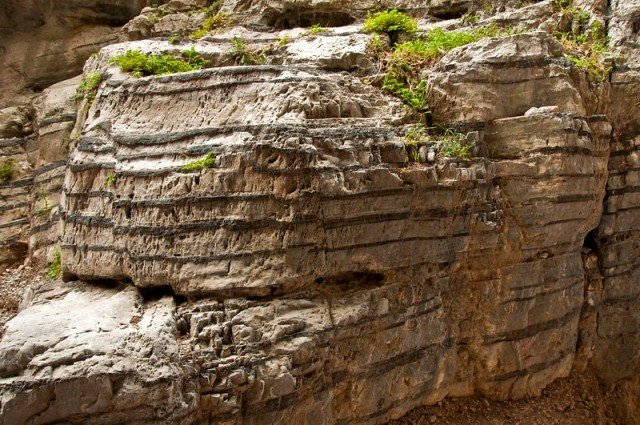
x=349 y=281
x=306 y=17
x=157 y=292
x=448 y=11
x=591 y=241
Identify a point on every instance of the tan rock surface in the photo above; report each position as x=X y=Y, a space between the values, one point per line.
x=315 y=274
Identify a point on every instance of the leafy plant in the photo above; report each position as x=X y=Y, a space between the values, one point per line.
x=88 y=87
x=208 y=161
x=143 y=64
x=174 y=39
x=391 y=22
x=7 y=170
x=54 y=267
x=110 y=181
x=414 y=97
x=241 y=53
x=415 y=135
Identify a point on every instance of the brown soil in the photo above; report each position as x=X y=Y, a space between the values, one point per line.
x=577 y=400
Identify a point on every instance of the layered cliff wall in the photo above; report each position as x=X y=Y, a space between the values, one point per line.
x=321 y=271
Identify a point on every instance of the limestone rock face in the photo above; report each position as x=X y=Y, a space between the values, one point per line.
x=617 y=239
x=47 y=42
x=320 y=271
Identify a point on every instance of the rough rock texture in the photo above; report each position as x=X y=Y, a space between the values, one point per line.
x=99 y=355
x=320 y=277
x=47 y=42
x=617 y=239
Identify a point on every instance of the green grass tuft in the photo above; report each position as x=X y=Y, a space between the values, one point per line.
x=453 y=144
x=207 y=162
x=54 y=267
x=143 y=64
x=391 y=21
x=585 y=44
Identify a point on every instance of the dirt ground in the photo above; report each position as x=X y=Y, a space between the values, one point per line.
x=577 y=400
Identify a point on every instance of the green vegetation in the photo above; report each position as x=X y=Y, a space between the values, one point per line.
x=391 y=22
x=584 y=40
x=174 y=39
x=212 y=21
x=315 y=29
x=45 y=208
x=449 y=143
x=409 y=58
x=415 y=97
x=54 y=267
x=242 y=55
x=143 y=64
x=284 y=40
x=110 y=181
x=88 y=87
x=208 y=161
x=453 y=144
x=7 y=170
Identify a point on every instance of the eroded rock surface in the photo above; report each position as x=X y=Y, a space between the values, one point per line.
x=321 y=275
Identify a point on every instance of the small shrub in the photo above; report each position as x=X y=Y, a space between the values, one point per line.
x=88 y=87
x=391 y=22
x=409 y=58
x=54 y=267
x=110 y=181
x=174 y=39
x=241 y=53
x=562 y=4
x=207 y=162
x=143 y=64
x=7 y=170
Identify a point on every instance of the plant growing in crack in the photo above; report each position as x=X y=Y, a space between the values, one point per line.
x=243 y=55
x=88 y=87
x=54 y=267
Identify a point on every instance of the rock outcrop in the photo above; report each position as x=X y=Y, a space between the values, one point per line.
x=320 y=271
